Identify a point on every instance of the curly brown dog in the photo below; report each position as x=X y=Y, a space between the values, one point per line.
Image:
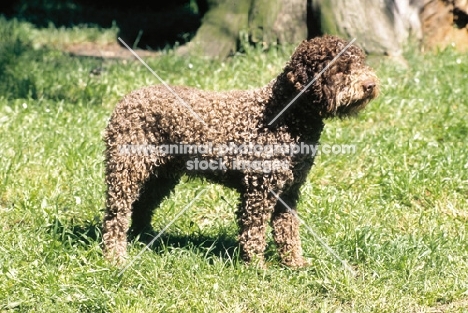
x=153 y=117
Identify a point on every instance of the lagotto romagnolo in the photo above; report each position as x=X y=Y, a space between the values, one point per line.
x=154 y=116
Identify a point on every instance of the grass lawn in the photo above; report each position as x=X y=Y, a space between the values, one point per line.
x=396 y=210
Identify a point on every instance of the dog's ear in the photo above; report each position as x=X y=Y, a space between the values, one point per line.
x=294 y=81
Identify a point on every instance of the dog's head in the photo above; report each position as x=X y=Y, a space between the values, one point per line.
x=342 y=83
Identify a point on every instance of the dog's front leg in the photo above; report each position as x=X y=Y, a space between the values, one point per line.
x=285 y=225
x=253 y=217
x=285 y=222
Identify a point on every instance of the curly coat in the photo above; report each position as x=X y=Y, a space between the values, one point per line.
x=138 y=182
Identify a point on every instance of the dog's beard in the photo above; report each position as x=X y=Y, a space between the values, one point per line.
x=353 y=98
x=351 y=109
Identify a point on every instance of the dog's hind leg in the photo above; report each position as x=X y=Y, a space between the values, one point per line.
x=123 y=187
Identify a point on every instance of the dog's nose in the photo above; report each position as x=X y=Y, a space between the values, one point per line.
x=368 y=85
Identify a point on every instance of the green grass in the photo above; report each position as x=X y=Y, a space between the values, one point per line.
x=395 y=210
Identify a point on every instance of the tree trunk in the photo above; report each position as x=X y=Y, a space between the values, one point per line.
x=380 y=27
x=265 y=22
x=281 y=21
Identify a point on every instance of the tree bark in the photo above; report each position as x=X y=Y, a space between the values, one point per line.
x=380 y=27
x=265 y=22
x=281 y=21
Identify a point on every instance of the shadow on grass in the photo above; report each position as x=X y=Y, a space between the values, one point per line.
x=87 y=233
x=72 y=233
x=221 y=245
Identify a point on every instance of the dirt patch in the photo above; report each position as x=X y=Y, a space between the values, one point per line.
x=108 y=51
